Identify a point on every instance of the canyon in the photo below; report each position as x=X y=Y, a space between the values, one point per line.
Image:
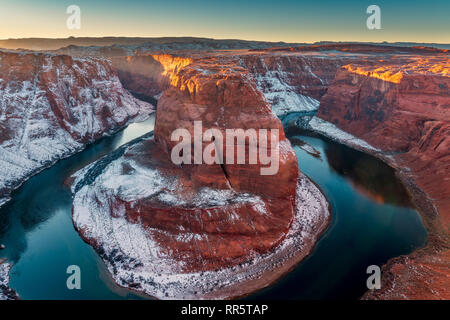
x=224 y=231
x=390 y=102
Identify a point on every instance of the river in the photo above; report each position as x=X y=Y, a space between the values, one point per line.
x=372 y=221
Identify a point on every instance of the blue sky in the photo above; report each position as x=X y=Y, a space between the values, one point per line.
x=283 y=20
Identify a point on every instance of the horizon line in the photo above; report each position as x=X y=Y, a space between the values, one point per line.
x=222 y=39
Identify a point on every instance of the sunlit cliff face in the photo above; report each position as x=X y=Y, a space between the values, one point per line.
x=431 y=65
x=195 y=74
x=394 y=73
x=152 y=74
x=383 y=73
x=172 y=65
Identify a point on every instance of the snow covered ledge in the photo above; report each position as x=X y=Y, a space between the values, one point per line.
x=332 y=132
x=136 y=261
x=6 y=293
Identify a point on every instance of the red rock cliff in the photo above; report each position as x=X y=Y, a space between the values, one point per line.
x=186 y=221
x=51 y=106
x=148 y=74
x=404 y=110
x=224 y=97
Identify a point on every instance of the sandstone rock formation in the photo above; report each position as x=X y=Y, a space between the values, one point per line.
x=200 y=230
x=292 y=82
x=289 y=81
x=148 y=74
x=51 y=106
x=391 y=102
x=402 y=110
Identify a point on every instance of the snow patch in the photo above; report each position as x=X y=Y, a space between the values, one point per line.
x=282 y=96
x=6 y=293
x=333 y=132
x=43 y=121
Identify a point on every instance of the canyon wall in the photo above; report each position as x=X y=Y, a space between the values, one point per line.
x=395 y=101
x=148 y=74
x=51 y=106
x=289 y=82
x=404 y=110
x=292 y=82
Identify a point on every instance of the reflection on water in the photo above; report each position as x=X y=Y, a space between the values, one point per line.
x=369 y=176
x=37 y=229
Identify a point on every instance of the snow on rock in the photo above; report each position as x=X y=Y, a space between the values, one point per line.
x=199 y=231
x=6 y=293
x=137 y=260
x=291 y=82
x=282 y=96
x=333 y=132
x=51 y=106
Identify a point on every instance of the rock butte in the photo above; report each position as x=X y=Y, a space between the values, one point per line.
x=199 y=218
x=225 y=99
